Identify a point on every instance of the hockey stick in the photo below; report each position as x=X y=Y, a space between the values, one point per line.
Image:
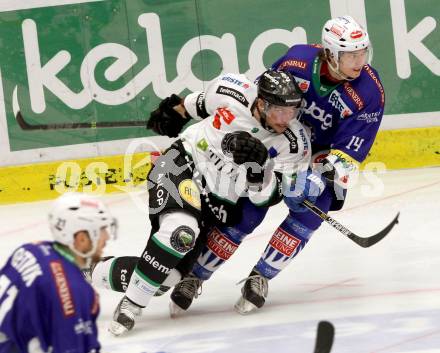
x=324 y=337
x=364 y=242
x=62 y=126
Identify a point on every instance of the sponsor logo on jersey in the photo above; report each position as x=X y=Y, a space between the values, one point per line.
x=284 y=242
x=293 y=63
x=222 y=114
x=304 y=140
x=160 y=189
x=63 y=289
x=26 y=265
x=369 y=117
x=220 y=245
x=200 y=106
x=190 y=193
x=354 y=96
x=293 y=141
x=336 y=101
x=317 y=113
x=304 y=85
x=156 y=264
x=377 y=82
x=83 y=327
x=202 y=145
x=238 y=96
x=236 y=82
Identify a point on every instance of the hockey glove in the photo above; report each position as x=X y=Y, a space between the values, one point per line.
x=165 y=120
x=246 y=149
x=307 y=185
x=335 y=170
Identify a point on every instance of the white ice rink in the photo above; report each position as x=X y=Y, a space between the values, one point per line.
x=382 y=299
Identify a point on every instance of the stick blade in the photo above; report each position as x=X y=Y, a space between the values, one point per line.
x=324 y=337
x=370 y=241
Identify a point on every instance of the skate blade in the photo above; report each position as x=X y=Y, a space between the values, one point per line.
x=244 y=307
x=175 y=310
x=117 y=329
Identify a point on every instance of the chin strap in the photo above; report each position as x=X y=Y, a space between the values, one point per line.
x=263 y=117
x=336 y=70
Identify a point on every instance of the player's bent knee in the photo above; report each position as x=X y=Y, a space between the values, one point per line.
x=178 y=231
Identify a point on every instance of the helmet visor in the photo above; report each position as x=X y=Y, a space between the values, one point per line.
x=358 y=57
x=282 y=114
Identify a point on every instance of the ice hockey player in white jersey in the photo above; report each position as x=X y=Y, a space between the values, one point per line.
x=247 y=143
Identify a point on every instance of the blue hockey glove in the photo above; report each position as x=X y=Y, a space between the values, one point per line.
x=307 y=185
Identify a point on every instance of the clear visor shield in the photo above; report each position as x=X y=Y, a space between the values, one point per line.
x=356 y=58
x=281 y=114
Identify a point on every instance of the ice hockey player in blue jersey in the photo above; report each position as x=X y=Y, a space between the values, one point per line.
x=46 y=305
x=344 y=104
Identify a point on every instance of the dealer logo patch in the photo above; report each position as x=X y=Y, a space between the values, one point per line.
x=190 y=193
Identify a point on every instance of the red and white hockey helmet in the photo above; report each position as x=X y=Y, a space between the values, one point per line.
x=75 y=212
x=344 y=34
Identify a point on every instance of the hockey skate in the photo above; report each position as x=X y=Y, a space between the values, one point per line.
x=253 y=293
x=124 y=316
x=161 y=290
x=184 y=292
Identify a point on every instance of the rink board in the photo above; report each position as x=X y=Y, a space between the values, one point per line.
x=93 y=175
x=394 y=149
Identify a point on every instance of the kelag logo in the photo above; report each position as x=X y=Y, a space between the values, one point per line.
x=90 y=62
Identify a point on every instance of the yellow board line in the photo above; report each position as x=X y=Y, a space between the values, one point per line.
x=45 y=181
x=397 y=149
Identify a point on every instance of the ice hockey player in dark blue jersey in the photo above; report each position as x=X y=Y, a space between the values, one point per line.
x=46 y=305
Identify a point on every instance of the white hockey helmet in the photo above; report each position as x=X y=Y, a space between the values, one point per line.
x=75 y=212
x=344 y=34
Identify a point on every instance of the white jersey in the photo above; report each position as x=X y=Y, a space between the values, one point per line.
x=228 y=101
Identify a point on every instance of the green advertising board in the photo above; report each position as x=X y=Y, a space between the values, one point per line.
x=75 y=67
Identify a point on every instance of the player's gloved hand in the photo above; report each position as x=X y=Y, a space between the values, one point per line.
x=307 y=185
x=246 y=149
x=165 y=120
x=335 y=170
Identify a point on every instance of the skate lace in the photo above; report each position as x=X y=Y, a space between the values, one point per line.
x=257 y=284
x=190 y=287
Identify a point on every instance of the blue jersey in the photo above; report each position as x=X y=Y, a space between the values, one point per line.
x=46 y=302
x=342 y=118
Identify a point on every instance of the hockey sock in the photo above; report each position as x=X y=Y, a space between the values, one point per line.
x=287 y=241
x=221 y=244
x=115 y=273
x=164 y=250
